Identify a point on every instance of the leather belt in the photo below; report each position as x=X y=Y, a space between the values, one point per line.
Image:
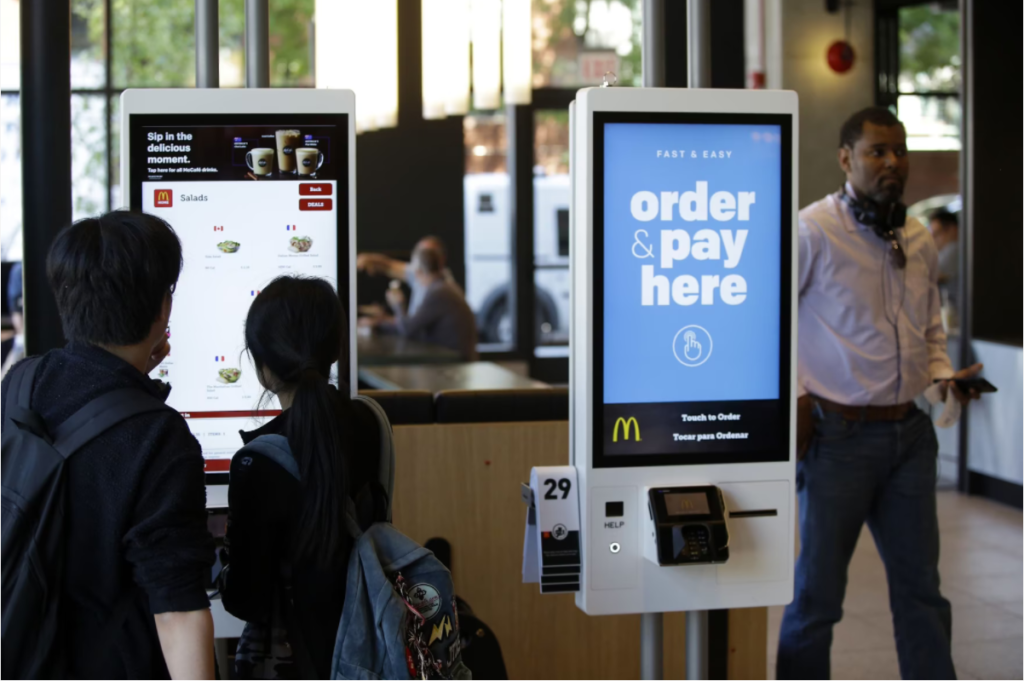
x=895 y=412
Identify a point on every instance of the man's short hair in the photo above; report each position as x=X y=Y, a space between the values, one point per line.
x=853 y=128
x=428 y=260
x=110 y=275
x=435 y=243
x=944 y=218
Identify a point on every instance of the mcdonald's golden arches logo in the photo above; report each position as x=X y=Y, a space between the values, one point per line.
x=163 y=198
x=626 y=424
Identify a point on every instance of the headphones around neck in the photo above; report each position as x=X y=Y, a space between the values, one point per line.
x=870 y=213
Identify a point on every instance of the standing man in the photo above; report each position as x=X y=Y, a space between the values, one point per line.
x=870 y=341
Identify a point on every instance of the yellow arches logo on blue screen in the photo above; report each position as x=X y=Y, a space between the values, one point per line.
x=626 y=424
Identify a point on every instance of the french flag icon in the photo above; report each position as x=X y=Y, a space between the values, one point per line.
x=218 y=358
x=254 y=293
x=291 y=228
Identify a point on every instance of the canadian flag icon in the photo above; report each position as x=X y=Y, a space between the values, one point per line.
x=219 y=229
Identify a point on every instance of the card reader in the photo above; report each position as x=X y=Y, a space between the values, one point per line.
x=686 y=526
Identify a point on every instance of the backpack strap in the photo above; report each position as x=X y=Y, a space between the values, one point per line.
x=277 y=449
x=23 y=377
x=100 y=415
x=386 y=458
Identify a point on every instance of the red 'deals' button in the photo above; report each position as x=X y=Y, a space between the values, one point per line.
x=316 y=189
x=315 y=204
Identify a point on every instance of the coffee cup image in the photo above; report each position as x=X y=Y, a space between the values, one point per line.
x=260 y=161
x=308 y=160
x=287 y=142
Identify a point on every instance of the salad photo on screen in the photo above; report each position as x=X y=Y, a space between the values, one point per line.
x=229 y=375
x=228 y=246
x=300 y=244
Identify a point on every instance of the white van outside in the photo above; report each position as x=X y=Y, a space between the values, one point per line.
x=488 y=256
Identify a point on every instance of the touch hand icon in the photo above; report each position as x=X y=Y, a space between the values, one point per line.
x=692 y=345
x=691 y=348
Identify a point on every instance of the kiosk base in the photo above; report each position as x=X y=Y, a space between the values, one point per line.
x=652 y=655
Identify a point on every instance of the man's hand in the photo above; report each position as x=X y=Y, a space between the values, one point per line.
x=969 y=372
x=158 y=355
x=373 y=263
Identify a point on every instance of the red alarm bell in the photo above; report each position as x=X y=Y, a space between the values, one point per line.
x=840 y=56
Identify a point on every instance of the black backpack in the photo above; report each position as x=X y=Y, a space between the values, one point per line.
x=34 y=494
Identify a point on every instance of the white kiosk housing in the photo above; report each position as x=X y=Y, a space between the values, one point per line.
x=683 y=365
x=256 y=184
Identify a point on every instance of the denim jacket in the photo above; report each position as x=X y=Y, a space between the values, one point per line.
x=399 y=619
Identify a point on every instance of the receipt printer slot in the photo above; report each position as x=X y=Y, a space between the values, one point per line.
x=688 y=525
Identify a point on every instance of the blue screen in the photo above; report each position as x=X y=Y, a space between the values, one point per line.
x=692 y=234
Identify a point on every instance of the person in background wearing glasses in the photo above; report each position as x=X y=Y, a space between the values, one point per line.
x=870 y=342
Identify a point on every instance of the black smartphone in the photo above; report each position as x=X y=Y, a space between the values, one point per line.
x=965 y=385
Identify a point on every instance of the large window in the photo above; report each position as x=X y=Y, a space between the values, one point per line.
x=576 y=41
x=119 y=44
x=929 y=76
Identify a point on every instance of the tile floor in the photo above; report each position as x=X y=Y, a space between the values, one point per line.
x=981 y=569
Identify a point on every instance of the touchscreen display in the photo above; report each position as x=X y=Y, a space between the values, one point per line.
x=693 y=301
x=251 y=197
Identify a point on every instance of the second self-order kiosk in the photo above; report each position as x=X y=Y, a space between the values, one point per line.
x=256 y=184
x=683 y=356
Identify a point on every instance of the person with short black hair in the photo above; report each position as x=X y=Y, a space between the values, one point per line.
x=138 y=553
x=870 y=341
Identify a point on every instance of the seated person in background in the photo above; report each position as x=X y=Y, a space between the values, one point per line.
x=377 y=263
x=945 y=230
x=137 y=554
x=276 y=519
x=442 y=316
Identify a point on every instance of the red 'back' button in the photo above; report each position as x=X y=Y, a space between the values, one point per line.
x=315 y=204
x=316 y=189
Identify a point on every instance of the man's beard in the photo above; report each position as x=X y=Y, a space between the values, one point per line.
x=888 y=191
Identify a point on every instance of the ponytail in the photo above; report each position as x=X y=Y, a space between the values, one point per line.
x=296 y=329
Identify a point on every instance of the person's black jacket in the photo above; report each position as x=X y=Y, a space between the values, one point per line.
x=136 y=522
x=263 y=507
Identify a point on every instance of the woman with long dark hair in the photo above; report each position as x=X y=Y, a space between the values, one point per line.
x=287 y=548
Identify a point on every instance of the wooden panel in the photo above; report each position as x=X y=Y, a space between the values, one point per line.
x=461 y=482
x=748 y=643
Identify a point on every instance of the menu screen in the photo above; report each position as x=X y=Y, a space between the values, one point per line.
x=251 y=197
x=692 y=270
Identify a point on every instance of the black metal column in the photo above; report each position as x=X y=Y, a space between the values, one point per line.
x=45 y=158
x=519 y=124
x=257 y=43
x=207 y=43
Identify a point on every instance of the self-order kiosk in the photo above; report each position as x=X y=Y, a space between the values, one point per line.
x=256 y=184
x=683 y=363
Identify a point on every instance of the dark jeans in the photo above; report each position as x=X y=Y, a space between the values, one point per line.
x=883 y=473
